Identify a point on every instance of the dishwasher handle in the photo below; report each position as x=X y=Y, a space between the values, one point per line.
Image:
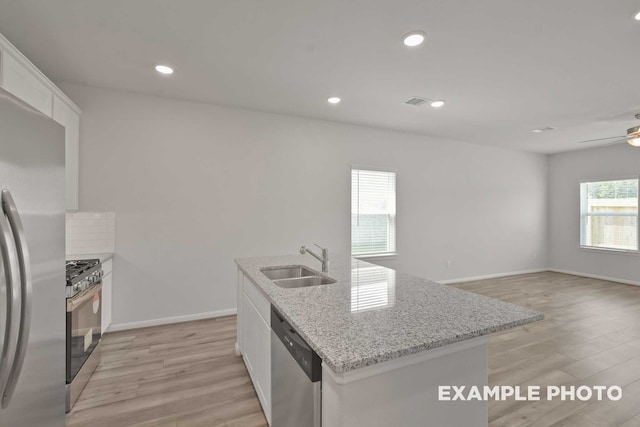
x=302 y=353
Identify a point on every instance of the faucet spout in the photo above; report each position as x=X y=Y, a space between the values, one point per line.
x=324 y=259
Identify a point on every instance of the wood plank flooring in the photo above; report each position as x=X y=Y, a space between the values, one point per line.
x=186 y=374
x=177 y=375
x=590 y=336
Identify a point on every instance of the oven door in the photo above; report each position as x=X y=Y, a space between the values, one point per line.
x=84 y=328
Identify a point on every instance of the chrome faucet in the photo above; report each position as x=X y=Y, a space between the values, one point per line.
x=324 y=259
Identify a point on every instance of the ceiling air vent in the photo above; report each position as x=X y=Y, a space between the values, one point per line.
x=415 y=101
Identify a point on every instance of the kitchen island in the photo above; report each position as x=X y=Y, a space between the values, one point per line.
x=387 y=340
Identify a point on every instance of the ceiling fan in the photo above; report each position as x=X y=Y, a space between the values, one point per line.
x=632 y=137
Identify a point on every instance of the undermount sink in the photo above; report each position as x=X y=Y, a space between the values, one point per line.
x=296 y=277
x=301 y=282
x=277 y=273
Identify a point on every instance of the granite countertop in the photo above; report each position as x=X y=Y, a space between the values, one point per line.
x=373 y=314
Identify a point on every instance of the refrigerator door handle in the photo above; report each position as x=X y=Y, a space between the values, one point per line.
x=10 y=264
x=26 y=288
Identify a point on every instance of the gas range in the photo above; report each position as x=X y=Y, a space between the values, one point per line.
x=82 y=275
x=84 y=324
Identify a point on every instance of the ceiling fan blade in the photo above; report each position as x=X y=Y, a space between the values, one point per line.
x=603 y=139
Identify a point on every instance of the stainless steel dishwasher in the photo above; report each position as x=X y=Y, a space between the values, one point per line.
x=296 y=378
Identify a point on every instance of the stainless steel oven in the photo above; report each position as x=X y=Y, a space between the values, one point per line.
x=84 y=331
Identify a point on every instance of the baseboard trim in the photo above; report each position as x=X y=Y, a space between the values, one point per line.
x=491 y=276
x=595 y=276
x=169 y=320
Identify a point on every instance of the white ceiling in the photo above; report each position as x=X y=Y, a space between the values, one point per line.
x=504 y=66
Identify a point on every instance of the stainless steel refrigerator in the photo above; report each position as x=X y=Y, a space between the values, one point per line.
x=32 y=278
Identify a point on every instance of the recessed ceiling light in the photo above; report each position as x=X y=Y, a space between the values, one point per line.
x=437 y=104
x=637 y=16
x=334 y=100
x=164 y=69
x=414 y=38
x=544 y=129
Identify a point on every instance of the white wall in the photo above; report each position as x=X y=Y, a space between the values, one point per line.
x=195 y=185
x=566 y=172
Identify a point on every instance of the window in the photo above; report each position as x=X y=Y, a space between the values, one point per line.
x=373 y=212
x=609 y=214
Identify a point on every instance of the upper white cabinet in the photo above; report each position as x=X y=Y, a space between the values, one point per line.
x=68 y=118
x=18 y=80
x=22 y=79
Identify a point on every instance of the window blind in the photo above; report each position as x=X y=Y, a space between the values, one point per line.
x=373 y=212
x=609 y=214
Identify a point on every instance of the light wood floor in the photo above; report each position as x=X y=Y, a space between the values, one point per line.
x=186 y=374
x=177 y=375
x=590 y=336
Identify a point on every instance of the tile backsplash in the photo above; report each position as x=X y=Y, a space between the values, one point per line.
x=90 y=232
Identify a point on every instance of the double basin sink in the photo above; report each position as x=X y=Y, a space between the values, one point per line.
x=297 y=276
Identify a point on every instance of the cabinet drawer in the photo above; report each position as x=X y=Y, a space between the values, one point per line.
x=258 y=299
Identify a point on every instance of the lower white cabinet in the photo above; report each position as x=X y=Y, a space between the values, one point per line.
x=254 y=339
x=107 y=294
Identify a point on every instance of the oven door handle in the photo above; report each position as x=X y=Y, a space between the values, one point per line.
x=76 y=302
x=26 y=289
x=10 y=265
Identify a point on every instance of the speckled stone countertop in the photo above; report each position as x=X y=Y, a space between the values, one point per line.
x=374 y=314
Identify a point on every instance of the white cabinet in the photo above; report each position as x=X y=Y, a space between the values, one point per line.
x=22 y=79
x=107 y=294
x=254 y=339
x=19 y=80
x=67 y=117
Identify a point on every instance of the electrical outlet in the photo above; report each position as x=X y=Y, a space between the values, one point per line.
x=448 y=263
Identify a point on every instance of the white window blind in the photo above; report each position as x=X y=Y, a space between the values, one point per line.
x=373 y=212
x=609 y=214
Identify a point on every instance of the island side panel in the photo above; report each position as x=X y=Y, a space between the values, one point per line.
x=407 y=394
x=254 y=339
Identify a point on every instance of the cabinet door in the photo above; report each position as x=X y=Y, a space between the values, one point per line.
x=107 y=294
x=18 y=80
x=68 y=118
x=107 y=297
x=239 y=314
x=257 y=353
